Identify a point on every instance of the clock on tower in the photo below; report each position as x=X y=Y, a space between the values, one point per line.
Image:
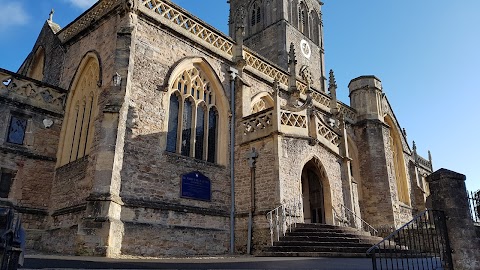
x=272 y=25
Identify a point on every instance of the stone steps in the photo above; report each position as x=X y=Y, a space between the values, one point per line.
x=321 y=244
x=320 y=240
x=314 y=254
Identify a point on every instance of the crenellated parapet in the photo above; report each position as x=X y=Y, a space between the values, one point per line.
x=24 y=90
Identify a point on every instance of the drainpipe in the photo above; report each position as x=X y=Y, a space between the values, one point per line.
x=233 y=75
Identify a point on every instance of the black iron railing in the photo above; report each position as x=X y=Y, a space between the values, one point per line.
x=420 y=244
x=474 y=202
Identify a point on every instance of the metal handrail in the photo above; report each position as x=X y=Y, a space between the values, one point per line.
x=284 y=217
x=365 y=226
x=393 y=234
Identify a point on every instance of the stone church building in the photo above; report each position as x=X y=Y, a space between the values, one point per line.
x=140 y=129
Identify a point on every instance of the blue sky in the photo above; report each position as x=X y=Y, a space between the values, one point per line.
x=427 y=54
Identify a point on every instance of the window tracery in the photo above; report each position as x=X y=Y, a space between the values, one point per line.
x=303 y=19
x=398 y=163
x=78 y=129
x=314 y=27
x=17 y=130
x=193 y=116
x=256 y=14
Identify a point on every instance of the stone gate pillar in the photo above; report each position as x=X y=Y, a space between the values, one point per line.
x=449 y=194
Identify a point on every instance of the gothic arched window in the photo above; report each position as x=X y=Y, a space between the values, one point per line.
x=314 y=27
x=303 y=19
x=78 y=127
x=259 y=15
x=398 y=162
x=193 y=116
x=173 y=123
x=256 y=14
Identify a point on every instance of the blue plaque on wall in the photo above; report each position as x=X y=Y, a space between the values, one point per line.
x=196 y=186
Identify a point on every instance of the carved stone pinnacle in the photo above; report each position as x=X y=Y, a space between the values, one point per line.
x=292 y=57
x=332 y=82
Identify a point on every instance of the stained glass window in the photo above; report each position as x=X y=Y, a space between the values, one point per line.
x=187 y=127
x=212 y=135
x=197 y=116
x=199 y=133
x=16 y=130
x=172 y=124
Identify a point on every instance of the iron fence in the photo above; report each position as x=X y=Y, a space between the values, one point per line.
x=420 y=244
x=474 y=203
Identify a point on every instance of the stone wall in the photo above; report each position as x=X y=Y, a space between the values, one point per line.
x=32 y=163
x=54 y=54
x=267 y=189
x=294 y=154
x=449 y=195
x=73 y=182
x=153 y=231
x=151 y=177
x=377 y=200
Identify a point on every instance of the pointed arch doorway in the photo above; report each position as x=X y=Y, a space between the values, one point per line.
x=317 y=206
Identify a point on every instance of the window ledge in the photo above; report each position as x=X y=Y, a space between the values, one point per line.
x=192 y=160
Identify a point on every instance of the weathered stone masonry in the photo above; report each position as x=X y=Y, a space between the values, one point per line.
x=123 y=197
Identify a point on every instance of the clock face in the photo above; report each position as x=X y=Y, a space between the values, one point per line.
x=305 y=47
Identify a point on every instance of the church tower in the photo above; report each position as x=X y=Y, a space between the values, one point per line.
x=272 y=25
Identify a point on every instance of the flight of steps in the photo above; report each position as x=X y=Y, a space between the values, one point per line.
x=320 y=240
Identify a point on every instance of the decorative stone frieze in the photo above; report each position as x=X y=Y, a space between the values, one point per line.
x=24 y=90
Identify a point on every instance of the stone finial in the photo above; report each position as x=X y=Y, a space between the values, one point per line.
x=404 y=131
x=239 y=36
x=50 y=16
x=292 y=62
x=332 y=84
x=430 y=159
x=332 y=88
x=414 y=146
